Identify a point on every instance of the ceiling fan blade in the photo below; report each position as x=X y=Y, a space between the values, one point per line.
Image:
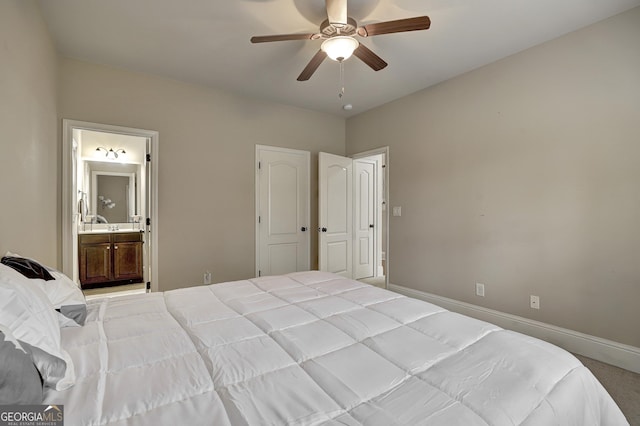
x=337 y=12
x=399 y=26
x=368 y=57
x=281 y=37
x=312 y=66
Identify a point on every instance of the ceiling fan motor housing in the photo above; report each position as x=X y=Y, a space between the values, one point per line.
x=329 y=30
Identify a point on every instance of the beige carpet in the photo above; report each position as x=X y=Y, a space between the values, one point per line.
x=622 y=385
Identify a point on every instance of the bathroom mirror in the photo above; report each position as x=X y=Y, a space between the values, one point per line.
x=113 y=191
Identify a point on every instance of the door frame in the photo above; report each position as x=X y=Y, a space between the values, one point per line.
x=385 y=194
x=307 y=154
x=69 y=212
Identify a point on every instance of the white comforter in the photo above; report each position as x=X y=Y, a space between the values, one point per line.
x=314 y=348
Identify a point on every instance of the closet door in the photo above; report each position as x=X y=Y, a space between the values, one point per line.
x=282 y=200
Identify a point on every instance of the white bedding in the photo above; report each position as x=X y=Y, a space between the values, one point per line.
x=314 y=348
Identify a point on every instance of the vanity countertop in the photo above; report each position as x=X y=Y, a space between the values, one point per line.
x=106 y=231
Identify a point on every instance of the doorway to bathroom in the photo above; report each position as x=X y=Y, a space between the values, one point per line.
x=109 y=221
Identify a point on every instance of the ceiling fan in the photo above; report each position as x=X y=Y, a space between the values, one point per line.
x=338 y=33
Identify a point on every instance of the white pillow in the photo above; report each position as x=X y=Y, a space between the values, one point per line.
x=28 y=313
x=65 y=296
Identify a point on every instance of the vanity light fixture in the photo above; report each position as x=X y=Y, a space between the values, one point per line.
x=110 y=153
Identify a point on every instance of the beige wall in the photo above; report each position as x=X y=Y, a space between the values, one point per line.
x=523 y=175
x=206 y=167
x=29 y=218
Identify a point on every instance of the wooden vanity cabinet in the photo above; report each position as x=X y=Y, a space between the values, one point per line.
x=127 y=256
x=110 y=258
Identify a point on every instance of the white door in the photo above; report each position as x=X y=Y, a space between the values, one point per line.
x=282 y=201
x=335 y=221
x=364 y=176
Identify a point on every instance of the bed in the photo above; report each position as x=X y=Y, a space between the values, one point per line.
x=314 y=348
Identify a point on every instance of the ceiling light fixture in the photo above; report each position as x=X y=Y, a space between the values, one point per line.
x=110 y=153
x=340 y=48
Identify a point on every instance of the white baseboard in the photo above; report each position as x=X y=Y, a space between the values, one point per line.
x=607 y=351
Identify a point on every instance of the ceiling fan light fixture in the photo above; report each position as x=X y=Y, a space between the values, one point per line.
x=340 y=48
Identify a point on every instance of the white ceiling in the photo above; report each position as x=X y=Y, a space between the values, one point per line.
x=207 y=42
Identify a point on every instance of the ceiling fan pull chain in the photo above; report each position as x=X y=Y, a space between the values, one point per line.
x=341 y=92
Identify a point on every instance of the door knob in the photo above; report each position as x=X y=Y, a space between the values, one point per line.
x=303 y=229
x=371 y=226
x=322 y=229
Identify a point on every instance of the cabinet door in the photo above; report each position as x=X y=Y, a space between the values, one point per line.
x=127 y=261
x=95 y=263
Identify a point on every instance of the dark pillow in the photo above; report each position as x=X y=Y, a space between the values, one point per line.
x=20 y=381
x=27 y=267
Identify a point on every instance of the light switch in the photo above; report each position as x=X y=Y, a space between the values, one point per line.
x=397 y=211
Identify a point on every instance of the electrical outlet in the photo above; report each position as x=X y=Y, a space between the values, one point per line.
x=207 y=277
x=535 y=302
x=397 y=211
x=480 y=289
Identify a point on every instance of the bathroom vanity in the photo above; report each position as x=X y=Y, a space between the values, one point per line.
x=110 y=258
